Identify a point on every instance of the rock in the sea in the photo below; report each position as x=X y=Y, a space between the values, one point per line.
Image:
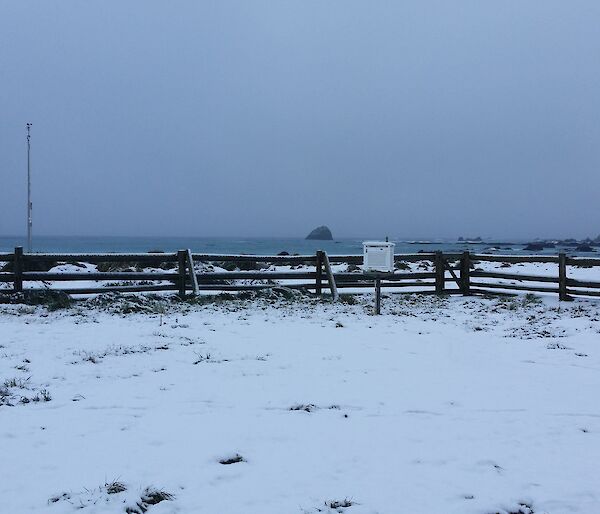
x=321 y=233
x=534 y=247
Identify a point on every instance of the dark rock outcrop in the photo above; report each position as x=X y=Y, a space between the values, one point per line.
x=321 y=233
x=534 y=247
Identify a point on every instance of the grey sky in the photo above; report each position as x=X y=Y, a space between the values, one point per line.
x=414 y=119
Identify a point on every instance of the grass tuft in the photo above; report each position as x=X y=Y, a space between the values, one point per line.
x=115 y=487
x=232 y=460
x=52 y=300
x=150 y=496
x=523 y=508
x=309 y=407
x=338 y=505
x=153 y=496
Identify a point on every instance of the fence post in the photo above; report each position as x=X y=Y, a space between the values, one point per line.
x=465 y=273
x=562 y=278
x=190 y=263
x=319 y=277
x=181 y=262
x=18 y=269
x=439 y=272
x=377 y=296
x=330 y=277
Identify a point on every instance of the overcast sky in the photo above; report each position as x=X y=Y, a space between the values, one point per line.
x=252 y=118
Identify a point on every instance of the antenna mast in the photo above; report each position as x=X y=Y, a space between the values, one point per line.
x=29 y=248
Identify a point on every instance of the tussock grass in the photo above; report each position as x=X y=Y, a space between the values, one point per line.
x=523 y=508
x=115 y=487
x=21 y=391
x=306 y=407
x=150 y=496
x=115 y=351
x=337 y=505
x=52 y=300
x=348 y=299
x=311 y=407
x=232 y=460
x=59 y=497
x=153 y=496
x=89 y=497
x=207 y=357
x=129 y=304
x=18 y=383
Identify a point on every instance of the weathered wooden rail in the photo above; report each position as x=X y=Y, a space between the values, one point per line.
x=445 y=273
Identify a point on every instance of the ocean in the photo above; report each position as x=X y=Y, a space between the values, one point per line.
x=257 y=246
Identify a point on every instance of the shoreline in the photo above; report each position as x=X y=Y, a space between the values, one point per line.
x=274 y=246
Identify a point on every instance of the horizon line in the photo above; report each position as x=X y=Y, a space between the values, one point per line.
x=343 y=237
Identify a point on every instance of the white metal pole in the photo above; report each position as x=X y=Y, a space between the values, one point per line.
x=29 y=209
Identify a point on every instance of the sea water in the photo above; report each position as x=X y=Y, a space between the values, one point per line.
x=255 y=246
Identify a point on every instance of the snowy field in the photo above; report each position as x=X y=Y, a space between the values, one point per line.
x=274 y=405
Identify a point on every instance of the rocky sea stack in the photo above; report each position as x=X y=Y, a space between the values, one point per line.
x=321 y=233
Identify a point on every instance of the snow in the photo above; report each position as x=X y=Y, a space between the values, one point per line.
x=440 y=405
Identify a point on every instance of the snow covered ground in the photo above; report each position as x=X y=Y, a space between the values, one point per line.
x=440 y=405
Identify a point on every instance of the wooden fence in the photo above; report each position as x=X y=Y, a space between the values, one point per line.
x=445 y=273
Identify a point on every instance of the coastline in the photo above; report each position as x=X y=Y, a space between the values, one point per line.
x=272 y=246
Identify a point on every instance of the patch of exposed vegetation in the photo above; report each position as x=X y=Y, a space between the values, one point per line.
x=115 y=487
x=128 y=267
x=523 y=508
x=21 y=391
x=207 y=357
x=306 y=407
x=337 y=505
x=241 y=265
x=348 y=299
x=515 y=303
x=311 y=407
x=31 y=264
x=232 y=460
x=272 y=294
x=88 y=497
x=49 y=298
x=129 y=304
x=52 y=300
x=115 y=351
x=151 y=496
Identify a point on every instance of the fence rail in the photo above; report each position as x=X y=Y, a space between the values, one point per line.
x=445 y=273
